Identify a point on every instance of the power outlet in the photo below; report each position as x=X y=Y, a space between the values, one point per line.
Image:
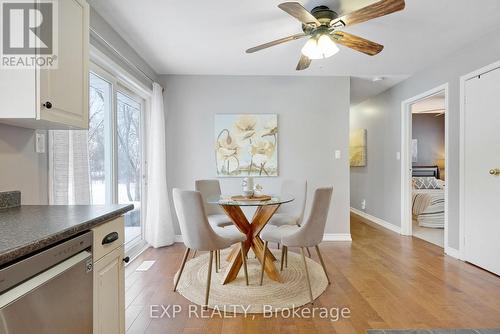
x=363 y=204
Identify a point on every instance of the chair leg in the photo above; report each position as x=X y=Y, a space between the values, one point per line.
x=282 y=257
x=322 y=263
x=186 y=254
x=307 y=274
x=244 y=258
x=217 y=266
x=194 y=254
x=220 y=266
x=308 y=252
x=209 y=278
x=263 y=262
x=278 y=245
x=286 y=256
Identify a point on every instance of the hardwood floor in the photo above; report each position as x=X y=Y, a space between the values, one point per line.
x=386 y=280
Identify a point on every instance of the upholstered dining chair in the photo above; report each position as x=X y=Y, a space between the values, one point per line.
x=216 y=216
x=197 y=233
x=308 y=234
x=292 y=213
x=211 y=188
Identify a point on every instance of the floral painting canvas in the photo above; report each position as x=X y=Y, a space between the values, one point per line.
x=246 y=145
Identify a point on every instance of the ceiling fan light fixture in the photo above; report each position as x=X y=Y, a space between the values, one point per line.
x=320 y=47
x=327 y=46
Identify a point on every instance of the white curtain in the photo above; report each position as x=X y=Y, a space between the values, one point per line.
x=159 y=229
x=69 y=181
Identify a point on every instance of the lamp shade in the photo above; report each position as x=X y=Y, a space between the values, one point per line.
x=320 y=47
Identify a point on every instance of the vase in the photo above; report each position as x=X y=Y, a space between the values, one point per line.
x=247 y=187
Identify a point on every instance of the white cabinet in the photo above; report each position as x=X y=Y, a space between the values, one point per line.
x=109 y=299
x=53 y=98
x=109 y=278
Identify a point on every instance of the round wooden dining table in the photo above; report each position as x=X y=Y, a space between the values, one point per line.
x=264 y=211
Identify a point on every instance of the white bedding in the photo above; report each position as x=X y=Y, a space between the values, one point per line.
x=428 y=207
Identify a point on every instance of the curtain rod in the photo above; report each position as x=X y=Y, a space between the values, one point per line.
x=120 y=55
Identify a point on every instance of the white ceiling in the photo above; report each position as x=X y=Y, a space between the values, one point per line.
x=364 y=87
x=210 y=37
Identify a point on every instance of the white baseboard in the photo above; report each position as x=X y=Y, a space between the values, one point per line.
x=326 y=237
x=337 y=237
x=377 y=220
x=453 y=252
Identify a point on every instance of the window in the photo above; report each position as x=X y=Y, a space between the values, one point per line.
x=115 y=146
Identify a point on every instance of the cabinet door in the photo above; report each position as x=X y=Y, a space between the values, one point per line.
x=109 y=294
x=66 y=88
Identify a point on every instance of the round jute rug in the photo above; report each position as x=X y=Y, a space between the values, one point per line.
x=254 y=298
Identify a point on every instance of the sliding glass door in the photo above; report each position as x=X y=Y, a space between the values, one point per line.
x=129 y=160
x=116 y=148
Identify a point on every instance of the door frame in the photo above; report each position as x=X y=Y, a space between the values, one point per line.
x=463 y=80
x=406 y=161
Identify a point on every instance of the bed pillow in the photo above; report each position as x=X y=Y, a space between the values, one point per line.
x=428 y=182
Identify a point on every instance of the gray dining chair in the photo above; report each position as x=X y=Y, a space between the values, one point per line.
x=215 y=214
x=292 y=213
x=308 y=234
x=197 y=234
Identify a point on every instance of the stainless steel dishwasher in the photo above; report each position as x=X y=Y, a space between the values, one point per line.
x=49 y=292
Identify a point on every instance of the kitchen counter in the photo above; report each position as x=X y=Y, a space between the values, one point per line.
x=29 y=228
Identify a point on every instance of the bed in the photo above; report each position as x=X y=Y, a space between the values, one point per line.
x=428 y=197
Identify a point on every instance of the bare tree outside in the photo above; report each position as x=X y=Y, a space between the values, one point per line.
x=128 y=134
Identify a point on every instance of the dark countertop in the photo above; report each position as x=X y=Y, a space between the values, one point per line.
x=28 y=228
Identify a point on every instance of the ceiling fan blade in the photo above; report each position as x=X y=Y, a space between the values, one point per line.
x=299 y=12
x=357 y=43
x=380 y=8
x=304 y=63
x=276 y=42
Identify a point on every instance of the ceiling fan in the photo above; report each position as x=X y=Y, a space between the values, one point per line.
x=322 y=25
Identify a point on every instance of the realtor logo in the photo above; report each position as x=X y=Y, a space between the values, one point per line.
x=29 y=34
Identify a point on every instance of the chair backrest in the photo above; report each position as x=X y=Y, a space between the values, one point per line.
x=209 y=188
x=196 y=231
x=298 y=190
x=311 y=232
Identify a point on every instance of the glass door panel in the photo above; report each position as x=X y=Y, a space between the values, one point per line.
x=129 y=160
x=99 y=139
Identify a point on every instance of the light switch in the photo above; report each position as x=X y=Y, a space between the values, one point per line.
x=337 y=154
x=40 y=143
x=398 y=155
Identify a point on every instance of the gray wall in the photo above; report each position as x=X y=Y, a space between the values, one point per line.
x=379 y=181
x=116 y=41
x=429 y=131
x=23 y=169
x=310 y=130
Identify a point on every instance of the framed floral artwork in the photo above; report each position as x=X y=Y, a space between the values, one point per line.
x=246 y=145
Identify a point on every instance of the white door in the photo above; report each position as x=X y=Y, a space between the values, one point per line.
x=482 y=157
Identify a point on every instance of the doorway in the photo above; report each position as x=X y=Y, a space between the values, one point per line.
x=424 y=161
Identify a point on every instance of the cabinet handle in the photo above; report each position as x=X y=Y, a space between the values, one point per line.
x=113 y=236
x=47 y=105
x=126 y=259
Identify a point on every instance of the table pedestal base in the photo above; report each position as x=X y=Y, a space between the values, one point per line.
x=252 y=231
